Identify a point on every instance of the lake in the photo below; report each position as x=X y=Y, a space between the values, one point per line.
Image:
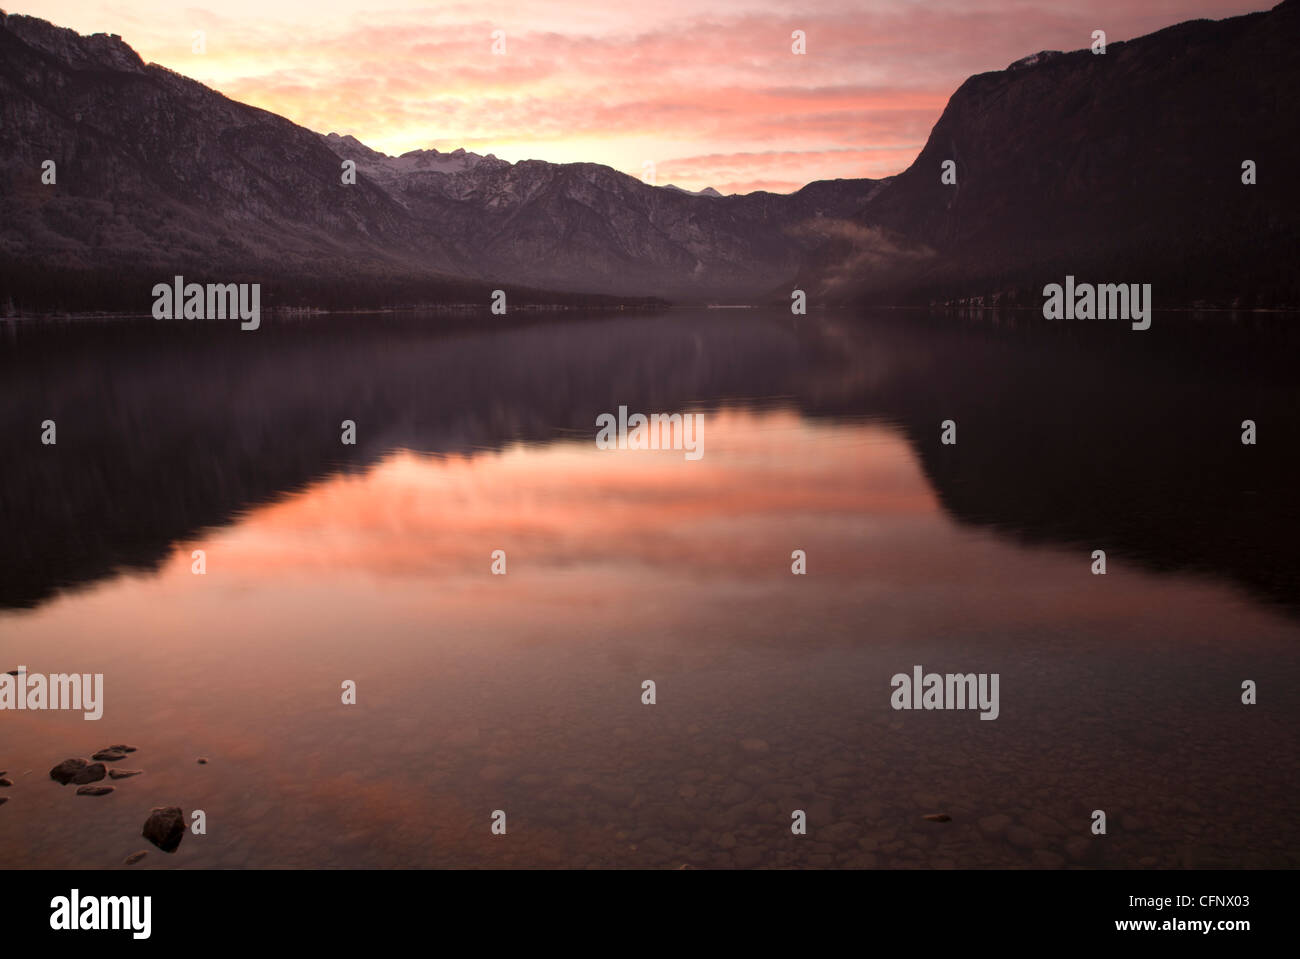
x=477 y=692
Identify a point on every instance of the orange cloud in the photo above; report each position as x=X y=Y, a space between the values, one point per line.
x=586 y=81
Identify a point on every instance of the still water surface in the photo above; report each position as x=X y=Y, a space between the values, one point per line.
x=522 y=692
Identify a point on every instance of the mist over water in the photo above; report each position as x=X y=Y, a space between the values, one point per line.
x=522 y=692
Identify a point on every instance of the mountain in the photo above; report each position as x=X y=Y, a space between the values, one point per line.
x=586 y=226
x=1117 y=167
x=156 y=174
x=707 y=191
x=1122 y=167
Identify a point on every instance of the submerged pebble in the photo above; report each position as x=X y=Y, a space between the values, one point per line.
x=165 y=827
x=77 y=771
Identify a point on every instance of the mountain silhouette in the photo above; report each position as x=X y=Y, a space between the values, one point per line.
x=1125 y=166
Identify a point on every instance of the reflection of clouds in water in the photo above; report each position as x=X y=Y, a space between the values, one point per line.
x=626 y=565
x=245 y=424
x=767 y=475
x=522 y=692
x=592 y=534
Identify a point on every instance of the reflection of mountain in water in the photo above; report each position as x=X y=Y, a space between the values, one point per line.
x=1091 y=436
x=1124 y=443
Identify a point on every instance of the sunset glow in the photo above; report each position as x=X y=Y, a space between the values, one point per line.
x=713 y=98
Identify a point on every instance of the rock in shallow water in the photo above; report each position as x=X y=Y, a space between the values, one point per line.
x=94 y=790
x=109 y=755
x=937 y=817
x=77 y=771
x=91 y=774
x=123 y=773
x=5 y=782
x=165 y=827
x=135 y=857
x=66 y=770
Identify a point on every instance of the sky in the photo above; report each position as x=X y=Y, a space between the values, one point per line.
x=691 y=92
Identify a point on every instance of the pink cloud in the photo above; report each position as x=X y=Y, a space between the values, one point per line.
x=609 y=84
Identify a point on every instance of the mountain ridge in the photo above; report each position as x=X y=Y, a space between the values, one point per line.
x=1123 y=165
x=156 y=172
